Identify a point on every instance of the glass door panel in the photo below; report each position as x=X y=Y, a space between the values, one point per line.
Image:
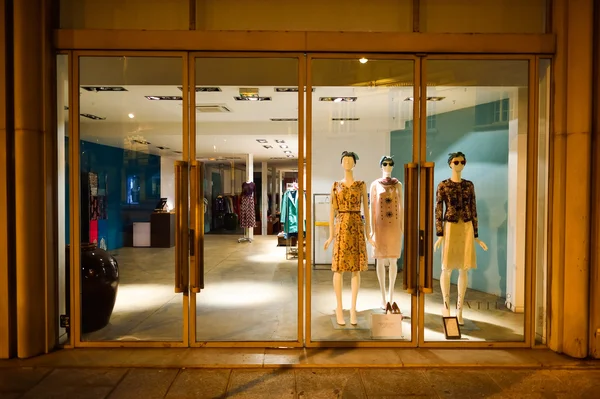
x=476 y=134
x=246 y=119
x=130 y=145
x=361 y=118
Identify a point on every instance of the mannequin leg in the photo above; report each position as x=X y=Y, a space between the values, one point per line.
x=380 y=268
x=393 y=273
x=355 y=286
x=445 y=286
x=337 y=288
x=463 y=280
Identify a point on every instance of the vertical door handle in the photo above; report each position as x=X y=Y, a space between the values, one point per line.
x=197 y=217
x=427 y=243
x=181 y=231
x=411 y=242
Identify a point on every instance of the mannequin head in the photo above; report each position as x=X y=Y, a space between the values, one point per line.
x=386 y=163
x=348 y=160
x=457 y=161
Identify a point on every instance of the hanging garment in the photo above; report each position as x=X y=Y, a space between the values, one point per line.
x=387 y=217
x=289 y=211
x=247 y=216
x=457 y=223
x=350 y=248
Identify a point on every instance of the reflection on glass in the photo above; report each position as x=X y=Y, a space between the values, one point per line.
x=129 y=143
x=247 y=139
x=541 y=274
x=479 y=146
x=361 y=111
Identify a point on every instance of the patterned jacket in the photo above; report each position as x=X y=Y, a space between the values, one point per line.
x=459 y=199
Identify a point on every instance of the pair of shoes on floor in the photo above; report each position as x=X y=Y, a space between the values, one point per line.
x=392 y=308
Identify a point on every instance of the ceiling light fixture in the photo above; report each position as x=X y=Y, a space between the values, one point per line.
x=345 y=119
x=290 y=156
x=283 y=146
x=205 y=89
x=284 y=119
x=240 y=98
x=287 y=152
x=268 y=146
x=262 y=141
x=428 y=98
x=131 y=116
x=93 y=117
x=363 y=60
x=280 y=141
x=338 y=99
x=164 y=98
x=103 y=88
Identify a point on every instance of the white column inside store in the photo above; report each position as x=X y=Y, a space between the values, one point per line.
x=250 y=177
x=264 y=199
x=274 y=190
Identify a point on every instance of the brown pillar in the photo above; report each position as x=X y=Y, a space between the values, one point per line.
x=570 y=234
x=7 y=278
x=33 y=240
x=595 y=236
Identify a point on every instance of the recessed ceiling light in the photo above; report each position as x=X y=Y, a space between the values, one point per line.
x=94 y=117
x=164 y=98
x=289 y=89
x=103 y=88
x=261 y=141
x=268 y=146
x=428 y=98
x=345 y=119
x=283 y=146
x=240 y=98
x=280 y=141
x=290 y=156
x=131 y=116
x=363 y=60
x=287 y=152
x=205 y=89
x=284 y=119
x=338 y=99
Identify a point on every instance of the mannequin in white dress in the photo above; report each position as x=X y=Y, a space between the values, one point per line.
x=387 y=218
x=457 y=230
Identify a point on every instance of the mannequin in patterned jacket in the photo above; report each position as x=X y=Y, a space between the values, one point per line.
x=456 y=228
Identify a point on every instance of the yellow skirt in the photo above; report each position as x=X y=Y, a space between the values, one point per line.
x=458 y=251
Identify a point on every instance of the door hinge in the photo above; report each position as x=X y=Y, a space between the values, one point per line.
x=65 y=321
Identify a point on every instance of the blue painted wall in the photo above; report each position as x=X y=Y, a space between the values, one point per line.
x=470 y=130
x=117 y=164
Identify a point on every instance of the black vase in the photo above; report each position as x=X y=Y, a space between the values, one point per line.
x=99 y=286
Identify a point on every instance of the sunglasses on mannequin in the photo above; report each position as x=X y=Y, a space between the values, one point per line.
x=459 y=162
x=387 y=164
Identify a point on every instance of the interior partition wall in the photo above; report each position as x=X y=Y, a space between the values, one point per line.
x=182 y=139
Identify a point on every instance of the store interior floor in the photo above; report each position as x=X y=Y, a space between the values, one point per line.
x=251 y=292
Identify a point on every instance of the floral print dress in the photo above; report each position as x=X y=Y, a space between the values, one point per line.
x=350 y=249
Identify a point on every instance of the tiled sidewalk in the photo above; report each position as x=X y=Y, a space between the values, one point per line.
x=96 y=383
x=299 y=373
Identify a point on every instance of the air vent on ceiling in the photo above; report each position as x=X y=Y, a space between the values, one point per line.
x=94 y=117
x=284 y=119
x=103 y=88
x=338 y=99
x=205 y=89
x=206 y=108
x=289 y=89
x=164 y=98
x=240 y=98
x=345 y=119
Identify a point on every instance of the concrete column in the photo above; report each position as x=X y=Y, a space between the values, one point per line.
x=595 y=236
x=33 y=176
x=7 y=271
x=264 y=199
x=570 y=235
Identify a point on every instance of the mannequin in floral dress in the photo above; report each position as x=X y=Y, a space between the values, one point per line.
x=347 y=228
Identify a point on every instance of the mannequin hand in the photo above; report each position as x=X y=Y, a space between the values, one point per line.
x=372 y=242
x=328 y=242
x=438 y=243
x=481 y=244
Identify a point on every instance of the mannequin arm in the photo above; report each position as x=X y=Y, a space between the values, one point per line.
x=400 y=206
x=438 y=243
x=332 y=209
x=481 y=244
x=439 y=211
x=365 y=204
x=373 y=192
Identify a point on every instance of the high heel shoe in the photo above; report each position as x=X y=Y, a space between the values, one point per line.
x=388 y=309
x=395 y=309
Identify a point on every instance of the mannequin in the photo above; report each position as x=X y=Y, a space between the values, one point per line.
x=350 y=249
x=247 y=215
x=387 y=218
x=456 y=228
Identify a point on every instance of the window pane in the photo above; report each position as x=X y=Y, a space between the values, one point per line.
x=124 y=14
x=306 y=15
x=483 y=16
x=481 y=109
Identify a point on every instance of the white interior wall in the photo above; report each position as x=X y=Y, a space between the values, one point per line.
x=167 y=181
x=517 y=206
